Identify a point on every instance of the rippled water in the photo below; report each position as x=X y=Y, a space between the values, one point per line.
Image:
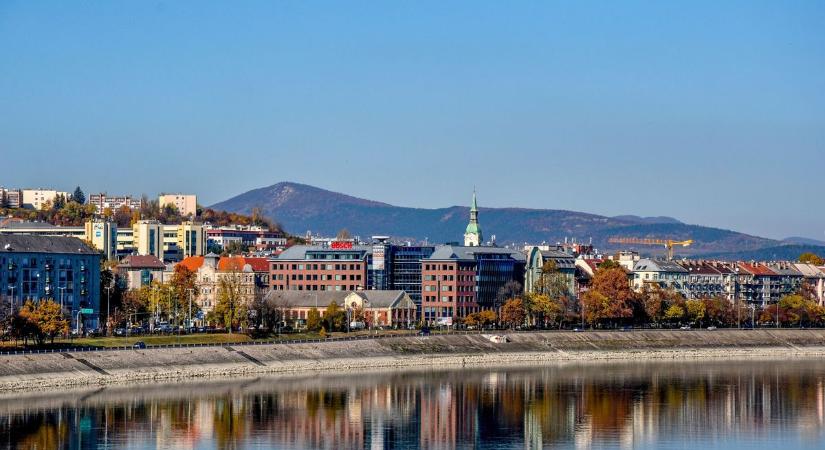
x=753 y=404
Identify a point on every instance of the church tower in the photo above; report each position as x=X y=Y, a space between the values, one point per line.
x=473 y=236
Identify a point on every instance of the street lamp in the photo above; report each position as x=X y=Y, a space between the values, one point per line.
x=190 y=290
x=108 y=307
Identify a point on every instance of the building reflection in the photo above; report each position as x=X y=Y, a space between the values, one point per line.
x=580 y=406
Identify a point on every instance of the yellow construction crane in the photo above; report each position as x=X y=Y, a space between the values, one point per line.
x=668 y=243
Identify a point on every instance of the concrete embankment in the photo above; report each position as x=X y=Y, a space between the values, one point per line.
x=51 y=370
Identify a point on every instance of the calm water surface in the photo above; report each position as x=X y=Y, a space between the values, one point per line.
x=751 y=404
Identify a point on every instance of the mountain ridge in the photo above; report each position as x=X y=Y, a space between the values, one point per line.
x=301 y=207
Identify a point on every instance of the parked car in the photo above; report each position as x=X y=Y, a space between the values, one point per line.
x=139 y=345
x=711 y=328
x=424 y=332
x=120 y=331
x=684 y=327
x=578 y=330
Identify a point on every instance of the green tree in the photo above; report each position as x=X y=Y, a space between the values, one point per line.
x=313 y=320
x=78 y=196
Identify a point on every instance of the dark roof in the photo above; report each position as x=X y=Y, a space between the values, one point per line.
x=141 y=262
x=448 y=252
x=307 y=299
x=10 y=243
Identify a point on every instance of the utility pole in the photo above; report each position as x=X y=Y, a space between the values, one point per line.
x=108 y=307
x=190 y=307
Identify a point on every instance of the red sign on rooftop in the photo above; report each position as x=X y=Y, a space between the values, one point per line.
x=341 y=245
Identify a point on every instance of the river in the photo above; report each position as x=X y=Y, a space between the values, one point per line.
x=682 y=404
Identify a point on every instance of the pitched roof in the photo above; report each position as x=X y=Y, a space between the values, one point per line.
x=381 y=299
x=307 y=299
x=657 y=265
x=141 y=262
x=225 y=263
x=24 y=243
x=447 y=252
x=756 y=269
x=192 y=263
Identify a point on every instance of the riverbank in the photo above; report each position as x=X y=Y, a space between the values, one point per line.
x=56 y=370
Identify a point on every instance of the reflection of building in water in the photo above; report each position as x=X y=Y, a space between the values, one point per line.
x=544 y=408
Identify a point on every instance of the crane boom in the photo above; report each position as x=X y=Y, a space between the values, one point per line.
x=667 y=243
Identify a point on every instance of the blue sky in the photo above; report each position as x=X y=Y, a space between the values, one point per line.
x=711 y=112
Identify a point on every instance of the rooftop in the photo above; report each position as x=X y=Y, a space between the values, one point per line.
x=44 y=244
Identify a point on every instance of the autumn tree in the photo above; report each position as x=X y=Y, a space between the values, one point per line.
x=695 y=311
x=609 y=298
x=510 y=289
x=545 y=308
x=811 y=258
x=314 y=320
x=230 y=308
x=513 y=312
x=334 y=317
x=183 y=286
x=343 y=235
x=42 y=320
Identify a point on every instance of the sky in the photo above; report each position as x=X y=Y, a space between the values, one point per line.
x=710 y=112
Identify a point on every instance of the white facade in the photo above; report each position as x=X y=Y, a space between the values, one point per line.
x=36 y=198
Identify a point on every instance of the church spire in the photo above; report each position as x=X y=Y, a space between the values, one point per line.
x=473 y=236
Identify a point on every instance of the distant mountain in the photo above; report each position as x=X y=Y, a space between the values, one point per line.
x=780 y=252
x=299 y=208
x=796 y=240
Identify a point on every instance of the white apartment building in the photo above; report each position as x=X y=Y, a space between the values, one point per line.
x=36 y=198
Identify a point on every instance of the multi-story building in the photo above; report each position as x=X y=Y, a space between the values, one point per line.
x=564 y=263
x=248 y=236
x=396 y=267
x=135 y=271
x=36 y=198
x=665 y=274
x=187 y=204
x=252 y=276
x=815 y=278
x=457 y=280
x=11 y=198
x=103 y=236
x=166 y=242
x=102 y=201
x=64 y=269
x=314 y=268
x=758 y=284
x=704 y=280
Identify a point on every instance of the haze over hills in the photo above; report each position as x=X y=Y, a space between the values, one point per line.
x=300 y=207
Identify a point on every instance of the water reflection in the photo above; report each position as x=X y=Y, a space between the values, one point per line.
x=573 y=405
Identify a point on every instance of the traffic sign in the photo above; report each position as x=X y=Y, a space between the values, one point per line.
x=87 y=311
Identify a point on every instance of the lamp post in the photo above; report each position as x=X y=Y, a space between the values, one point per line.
x=108 y=307
x=190 y=290
x=11 y=287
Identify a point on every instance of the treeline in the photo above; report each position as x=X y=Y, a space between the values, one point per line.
x=610 y=302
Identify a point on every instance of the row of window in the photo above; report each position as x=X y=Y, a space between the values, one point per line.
x=316 y=266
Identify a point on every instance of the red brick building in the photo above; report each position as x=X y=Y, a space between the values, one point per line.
x=306 y=268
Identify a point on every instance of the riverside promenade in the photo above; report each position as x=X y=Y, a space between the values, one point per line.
x=34 y=371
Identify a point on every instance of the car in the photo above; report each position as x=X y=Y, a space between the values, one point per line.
x=627 y=328
x=711 y=328
x=139 y=345
x=120 y=331
x=578 y=330
x=684 y=327
x=424 y=332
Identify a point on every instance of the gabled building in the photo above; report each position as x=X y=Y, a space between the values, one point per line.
x=815 y=278
x=757 y=283
x=704 y=280
x=252 y=274
x=665 y=274
x=564 y=263
x=135 y=271
x=393 y=309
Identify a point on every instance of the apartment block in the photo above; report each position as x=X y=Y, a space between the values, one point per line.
x=102 y=201
x=187 y=204
x=36 y=198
